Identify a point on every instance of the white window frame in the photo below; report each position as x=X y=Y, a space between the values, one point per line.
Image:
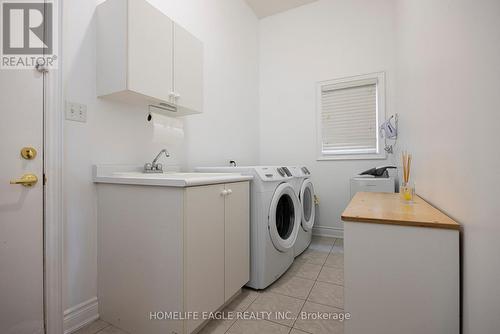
x=380 y=153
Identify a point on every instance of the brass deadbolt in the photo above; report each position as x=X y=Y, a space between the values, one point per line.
x=28 y=153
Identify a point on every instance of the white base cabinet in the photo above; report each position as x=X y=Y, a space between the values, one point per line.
x=401 y=279
x=166 y=249
x=401 y=266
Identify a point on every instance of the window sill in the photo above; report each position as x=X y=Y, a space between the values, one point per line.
x=369 y=156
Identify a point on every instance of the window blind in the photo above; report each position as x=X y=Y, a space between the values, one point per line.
x=349 y=117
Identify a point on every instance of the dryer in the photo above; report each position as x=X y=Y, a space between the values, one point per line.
x=305 y=191
x=275 y=219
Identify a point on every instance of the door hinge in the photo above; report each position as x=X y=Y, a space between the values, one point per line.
x=44 y=179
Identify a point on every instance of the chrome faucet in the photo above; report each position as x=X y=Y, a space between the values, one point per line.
x=155 y=167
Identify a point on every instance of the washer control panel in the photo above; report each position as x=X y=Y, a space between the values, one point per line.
x=274 y=173
x=284 y=171
x=302 y=172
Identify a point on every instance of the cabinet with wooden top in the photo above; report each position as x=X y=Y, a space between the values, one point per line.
x=402 y=267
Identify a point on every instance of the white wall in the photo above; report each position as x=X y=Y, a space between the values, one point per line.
x=117 y=133
x=443 y=75
x=448 y=80
x=324 y=40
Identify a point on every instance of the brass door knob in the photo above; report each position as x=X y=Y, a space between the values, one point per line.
x=28 y=153
x=27 y=180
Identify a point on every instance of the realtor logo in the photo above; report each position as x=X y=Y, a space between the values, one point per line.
x=27 y=34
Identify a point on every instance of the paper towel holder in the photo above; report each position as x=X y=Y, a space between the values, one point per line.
x=162 y=107
x=149 y=117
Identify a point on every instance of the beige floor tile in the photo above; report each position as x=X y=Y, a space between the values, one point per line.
x=304 y=269
x=338 y=247
x=242 y=301
x=313 y=256
x=337 y=250
x=93 y=327
x=292 y=286
x=322 y=244
x=112 y=330
x=335 y=260
x=327 y=294
x=297 y=331
x=257 y=327
x=334 y=275
x=217 y=326
x=320 y=248
x=276 y=304
x=319 y=326
x=316 y=239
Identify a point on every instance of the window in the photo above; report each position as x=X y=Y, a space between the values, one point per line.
x=349 y=114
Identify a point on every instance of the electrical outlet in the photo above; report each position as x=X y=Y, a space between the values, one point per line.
x=76 y=112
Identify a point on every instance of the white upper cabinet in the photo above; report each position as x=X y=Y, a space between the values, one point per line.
x=188 y=69
x=143 y=57
x=150 y=46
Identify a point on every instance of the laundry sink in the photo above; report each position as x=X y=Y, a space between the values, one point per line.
x=168 y=175
x=135 y=175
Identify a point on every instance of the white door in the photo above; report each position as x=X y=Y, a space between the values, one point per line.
x=21 y=206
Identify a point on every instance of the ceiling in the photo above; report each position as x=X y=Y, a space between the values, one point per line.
x=263 y=8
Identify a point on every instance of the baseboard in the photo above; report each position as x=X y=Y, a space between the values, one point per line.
x=328 y=231
x=80 y=315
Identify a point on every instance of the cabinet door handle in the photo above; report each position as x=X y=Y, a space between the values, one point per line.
x=229 y=191
x=223 y=193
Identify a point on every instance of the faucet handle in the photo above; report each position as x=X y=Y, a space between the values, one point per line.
x=153 y=168
x=158 y=167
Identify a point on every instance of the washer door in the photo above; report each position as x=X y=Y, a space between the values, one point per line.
x=307 y=202
x=284 y=217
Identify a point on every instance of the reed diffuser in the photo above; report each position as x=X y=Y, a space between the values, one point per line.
x=407 y=190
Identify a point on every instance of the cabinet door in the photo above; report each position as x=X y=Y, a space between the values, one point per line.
x=203 y=250
x=150 y=46
x=237 y=237
x=188 y=70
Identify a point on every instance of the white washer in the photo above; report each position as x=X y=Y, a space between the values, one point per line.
x=305 y=191
x=275 y=219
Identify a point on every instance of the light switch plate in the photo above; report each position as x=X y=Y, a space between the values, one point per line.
x=76 y=112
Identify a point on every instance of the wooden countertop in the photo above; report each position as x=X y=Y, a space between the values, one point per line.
x=387 y=208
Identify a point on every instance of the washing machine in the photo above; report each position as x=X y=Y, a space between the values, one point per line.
x=275 y=219
x=305 y=191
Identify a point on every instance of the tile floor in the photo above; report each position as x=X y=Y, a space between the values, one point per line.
x=313 y=284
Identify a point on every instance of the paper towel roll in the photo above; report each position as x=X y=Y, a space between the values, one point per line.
x=167 y=130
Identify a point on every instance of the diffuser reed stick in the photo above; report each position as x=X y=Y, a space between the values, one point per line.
x=406 y=166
